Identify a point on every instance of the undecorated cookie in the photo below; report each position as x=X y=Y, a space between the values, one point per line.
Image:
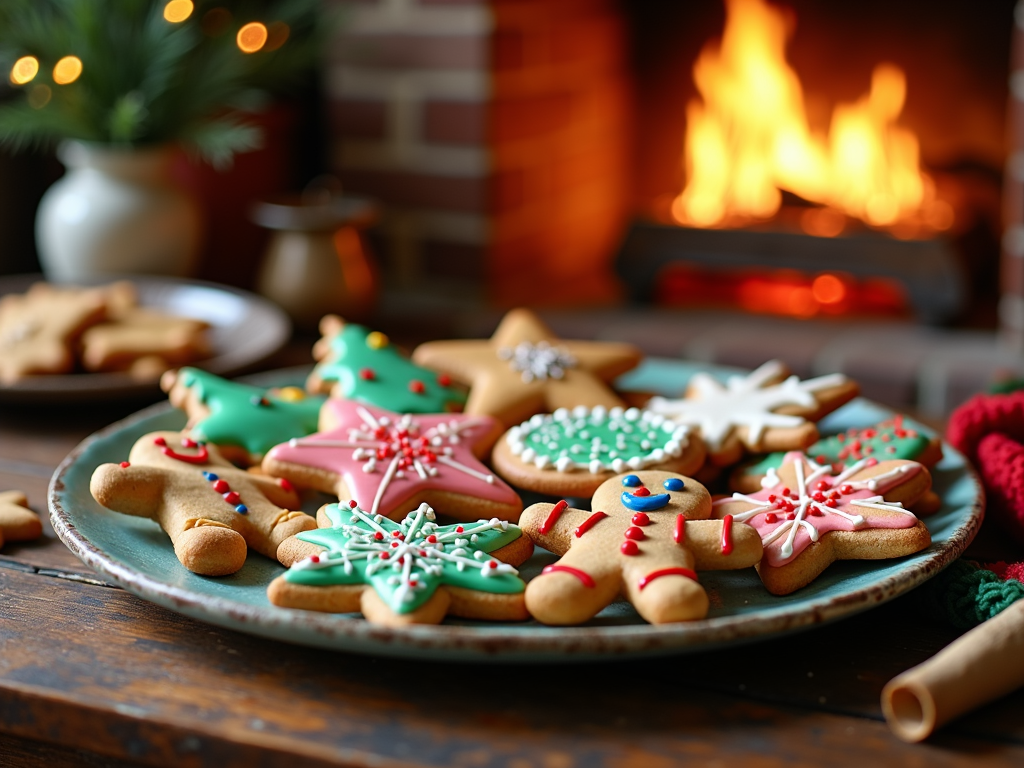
x=17 y=521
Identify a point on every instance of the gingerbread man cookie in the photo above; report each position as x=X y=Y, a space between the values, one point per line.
x=809 y=517
x=211 y=510
x=766 y=410
x=244 y=422
x=38 y=329
x=17 y=521
x=396 y=461
x=571 y=452
x=646 y=538
x=358 y=364
x=525 y=369
x=411 y=572
x=144 y=343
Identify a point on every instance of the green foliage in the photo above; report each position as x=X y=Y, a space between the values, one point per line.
x=145 y=80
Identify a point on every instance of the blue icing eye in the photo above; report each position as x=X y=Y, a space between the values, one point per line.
x=674 y=484
x=644 y=503
x=210 y=476
x=631 y=481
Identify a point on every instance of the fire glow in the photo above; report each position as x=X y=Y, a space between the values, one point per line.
x=748 y=138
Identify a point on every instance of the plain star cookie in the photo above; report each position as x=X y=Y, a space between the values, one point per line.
x=17 y=521
x=410 y=572
x=392 y=461
x=766 y=410
x=244 y=422
x=646 y=539
x=356 y=363
x=212 y=511
x=809 y=517
x=525 y=369
x=571 y=452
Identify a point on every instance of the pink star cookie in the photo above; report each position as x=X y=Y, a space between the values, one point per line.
x=391 y=462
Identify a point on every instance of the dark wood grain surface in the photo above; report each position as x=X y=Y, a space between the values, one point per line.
x=91 y=675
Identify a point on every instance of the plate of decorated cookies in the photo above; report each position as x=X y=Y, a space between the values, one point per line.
x=518 y=498
x=115 y=338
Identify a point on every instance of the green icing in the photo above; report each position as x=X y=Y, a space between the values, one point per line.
x=392 y=373
x=597 y=439
x=417 y=566
x=248 y=416
x=857 y=444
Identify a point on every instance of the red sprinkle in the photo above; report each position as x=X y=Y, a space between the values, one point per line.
x=417 y=387
x=791 y=516
x=125 y=465
x=378 y=536
x=232 y=497
x=641 y=492
x=432 y=539
x=384 y=555
x=460 y=529
x=822 y=485
x=367 y=374
x=640 y=518
x=770 y=517
x=492 y=564
x=285 y=485
x=830 y=503
x=315 y=558
x=629 y=548
x=444 y=380
x=221 y=486
x=352 y=503
x=872 y=462
x=846 y=489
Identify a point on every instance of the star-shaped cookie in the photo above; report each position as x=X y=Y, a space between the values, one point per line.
x=17 y=521
x=525 y=369
x=392 y=462
x=766 y=410
x=808 y=516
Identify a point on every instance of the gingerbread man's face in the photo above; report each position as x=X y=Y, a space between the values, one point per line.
x=645 y=537
x=174 y=450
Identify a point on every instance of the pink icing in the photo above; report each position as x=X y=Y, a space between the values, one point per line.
x=768 y=510
x=366 y=449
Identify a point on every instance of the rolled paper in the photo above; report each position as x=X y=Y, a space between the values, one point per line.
x=979 y=667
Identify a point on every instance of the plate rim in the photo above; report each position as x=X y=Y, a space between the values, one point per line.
x=500 y=642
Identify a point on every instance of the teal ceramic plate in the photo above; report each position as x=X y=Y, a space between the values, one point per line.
x=136 y=554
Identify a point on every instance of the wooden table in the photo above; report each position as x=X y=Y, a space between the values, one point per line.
x=91 y=675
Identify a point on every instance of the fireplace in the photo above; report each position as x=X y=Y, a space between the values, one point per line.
x=528 y=146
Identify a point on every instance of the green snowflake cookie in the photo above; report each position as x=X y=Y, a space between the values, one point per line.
x=251 y=417
x=406 y=562
x=369 y=369
x=597 y=439
x=888 y=439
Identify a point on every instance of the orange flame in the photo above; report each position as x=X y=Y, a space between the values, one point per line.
x=749 y=138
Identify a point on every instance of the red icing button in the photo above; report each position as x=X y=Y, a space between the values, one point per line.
x=125 y=465
x=221 y=486
x=629 y=547
x=770 y=517
x=635 y=533
x=444 y=380
x=492 y=564
x=378 y=536
x=640 y=518
x=641 y=492
x=384 y=555
x=367 y=374
x=416 y=386
x=314 y=558
x=352 y=503
x=822 y=485
x=791 y=516
x=232 y=497
x=432 y=539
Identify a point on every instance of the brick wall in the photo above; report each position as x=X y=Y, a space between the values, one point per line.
x=1011 y=304
x=496 y=134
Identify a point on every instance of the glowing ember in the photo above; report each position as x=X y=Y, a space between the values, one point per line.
x=749 y=138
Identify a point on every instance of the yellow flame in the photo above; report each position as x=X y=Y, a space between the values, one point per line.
x=748 y=138
x=67 y=70
x=24 y=70
x=177 y=11
x=252 y=37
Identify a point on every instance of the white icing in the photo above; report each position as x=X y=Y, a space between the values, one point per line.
x=537 y=362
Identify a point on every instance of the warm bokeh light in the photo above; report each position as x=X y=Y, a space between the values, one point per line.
x=39 y=96
x=748 y=138
x=252 y=37
x=823 y=222
x=277 y=34
x=828 y=289
x=24 y=70
x=177 y=11
x=67 y=70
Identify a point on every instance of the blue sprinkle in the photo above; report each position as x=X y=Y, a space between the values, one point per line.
x=210 y=476
x=674 y=484
x=631 y=481
x=242 y=509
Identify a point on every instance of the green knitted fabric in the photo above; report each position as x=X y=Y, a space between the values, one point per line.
x=965 y=595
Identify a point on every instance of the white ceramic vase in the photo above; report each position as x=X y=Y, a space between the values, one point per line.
x=116 y=211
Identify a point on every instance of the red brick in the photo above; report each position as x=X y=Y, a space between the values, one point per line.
x=359 y=119
x=518 y=119
x=419 y=189
x=1011 y=275
x=401 y=51
x=455 y=122
x=508 y=190
x=458 y=260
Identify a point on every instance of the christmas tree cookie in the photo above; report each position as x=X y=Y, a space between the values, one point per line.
x=766 y=410
x=362 y=365
x=809 y=516
x=409 y=572
x=889 y=439
x=244 y=422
